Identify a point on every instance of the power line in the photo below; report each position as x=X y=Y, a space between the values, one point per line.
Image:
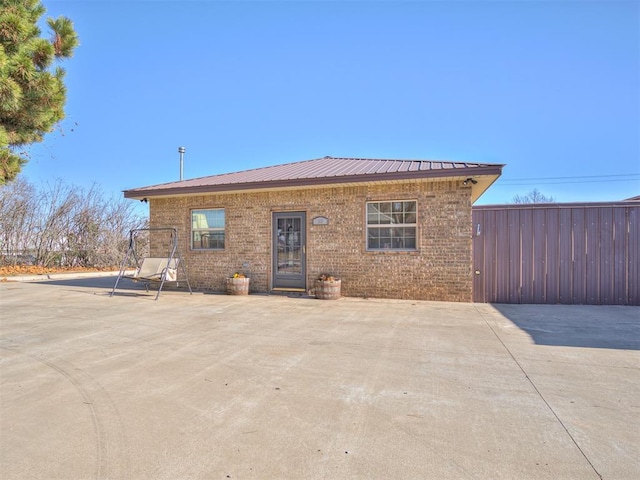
x=498 y=184
x=574 y=177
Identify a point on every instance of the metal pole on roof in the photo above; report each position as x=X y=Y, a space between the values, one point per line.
x=181 y=152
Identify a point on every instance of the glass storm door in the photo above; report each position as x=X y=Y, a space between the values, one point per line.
x=289 y=244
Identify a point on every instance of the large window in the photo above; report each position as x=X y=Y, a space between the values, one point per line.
x=207 y=229
x=391 y=225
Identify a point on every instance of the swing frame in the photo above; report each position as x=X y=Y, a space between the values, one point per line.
x=153 y=269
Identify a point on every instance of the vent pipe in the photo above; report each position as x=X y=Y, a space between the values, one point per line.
x=181 y=152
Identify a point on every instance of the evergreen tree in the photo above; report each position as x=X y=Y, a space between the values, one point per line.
x=32 y=92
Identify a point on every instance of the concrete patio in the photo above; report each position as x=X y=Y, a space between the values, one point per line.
x=262 y=387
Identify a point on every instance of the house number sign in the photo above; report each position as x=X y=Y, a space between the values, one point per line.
x=320 y=221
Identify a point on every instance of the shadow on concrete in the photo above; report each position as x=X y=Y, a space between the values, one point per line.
x=590 y=326
x=106 y=283
x=127 y=287
x=103 y=282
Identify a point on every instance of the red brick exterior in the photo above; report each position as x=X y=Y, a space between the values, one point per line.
x=440 y=269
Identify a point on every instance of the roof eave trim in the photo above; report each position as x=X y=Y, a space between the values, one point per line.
x=304 y=182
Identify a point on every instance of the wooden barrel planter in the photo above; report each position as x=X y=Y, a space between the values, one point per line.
x=238 y=286
x=328 y=289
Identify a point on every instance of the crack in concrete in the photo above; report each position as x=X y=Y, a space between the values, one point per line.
x=533 y=385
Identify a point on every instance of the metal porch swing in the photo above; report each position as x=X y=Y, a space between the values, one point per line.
x=153 y=269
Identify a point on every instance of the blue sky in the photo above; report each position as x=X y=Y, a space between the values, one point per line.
x=549 y=88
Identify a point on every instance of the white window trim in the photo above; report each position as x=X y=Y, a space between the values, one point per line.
x=390 y=225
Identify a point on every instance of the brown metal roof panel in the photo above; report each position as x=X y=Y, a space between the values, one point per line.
x=316 y=170
x=425 y=165
x=412 y=167
x=348 y=166
x=333 y=168
x=305 y=169
x=345 y=166
x=351 y=168
x=396 y=166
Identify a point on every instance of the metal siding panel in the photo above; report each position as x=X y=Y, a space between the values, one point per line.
x=526 y=227
x=605 y=287
x=633 y=259
x=515 y=259
x=490 y=269
x=502 y=257
x=539 y=256
x=579 y=262
x=478 y=225
x=565 y=264
x=583 y=254
x=592 y=276
x=553 y=264
x=620 y=279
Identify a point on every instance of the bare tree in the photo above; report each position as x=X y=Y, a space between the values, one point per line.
x=58 y=202
x=64 y=225
x=120 y=219
x=534 y=196
x=17 y=203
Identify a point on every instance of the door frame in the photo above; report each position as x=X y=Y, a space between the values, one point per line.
x=295 y=282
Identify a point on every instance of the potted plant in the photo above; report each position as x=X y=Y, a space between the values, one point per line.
x=238 y=284
x=327 y=287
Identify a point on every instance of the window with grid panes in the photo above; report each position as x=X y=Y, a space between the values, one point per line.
x=391 y=225
x=207 y=229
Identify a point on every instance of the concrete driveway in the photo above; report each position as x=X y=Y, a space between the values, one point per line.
x=263 y=387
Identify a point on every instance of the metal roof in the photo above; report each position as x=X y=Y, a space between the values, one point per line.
x=318 y=172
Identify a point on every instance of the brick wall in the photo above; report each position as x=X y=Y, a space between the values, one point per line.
x=439 y=270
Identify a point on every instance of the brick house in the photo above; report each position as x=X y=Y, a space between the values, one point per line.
x=387 y=228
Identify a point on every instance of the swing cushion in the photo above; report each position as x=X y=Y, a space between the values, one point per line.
x=153 y=268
